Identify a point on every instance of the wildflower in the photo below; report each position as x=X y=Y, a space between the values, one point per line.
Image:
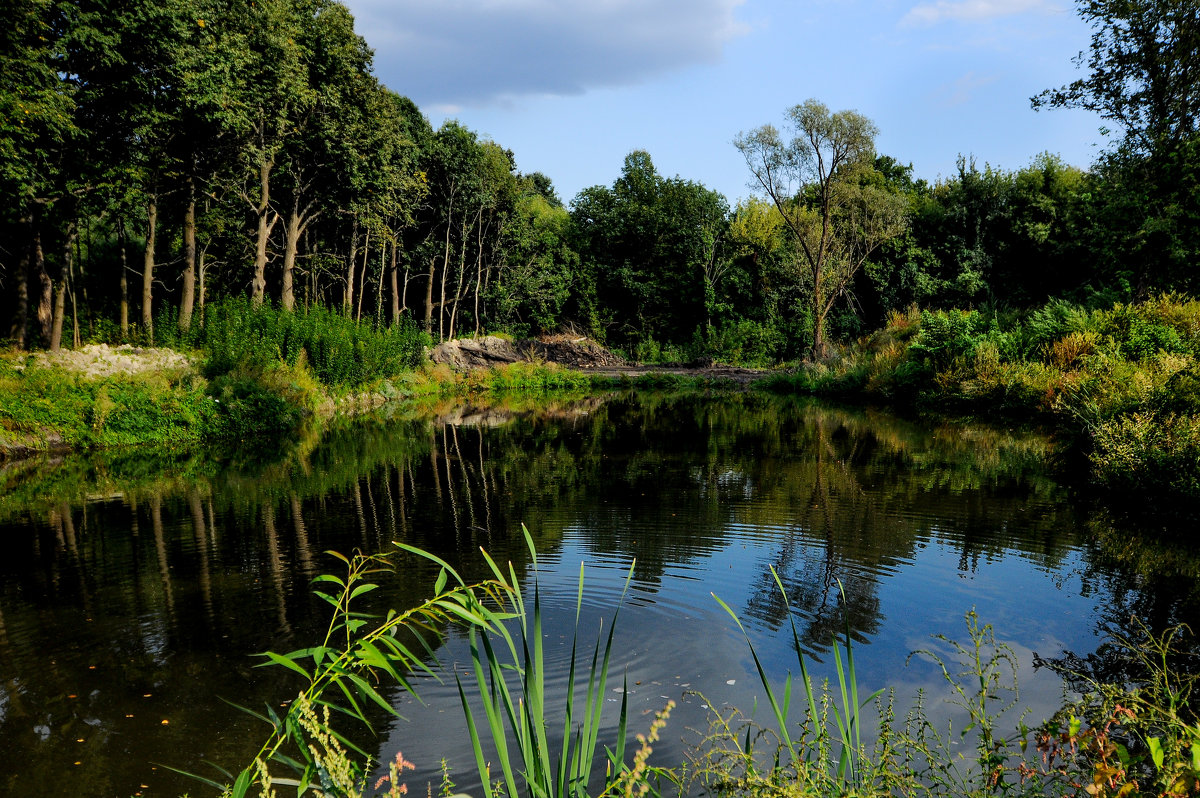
x=395 y=770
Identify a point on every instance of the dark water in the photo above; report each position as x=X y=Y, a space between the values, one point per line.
x=136 y=587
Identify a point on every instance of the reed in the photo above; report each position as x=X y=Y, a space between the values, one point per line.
x=841 y=763
x=344 y=672
x=517 y=716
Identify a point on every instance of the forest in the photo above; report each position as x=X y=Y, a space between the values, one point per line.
x=156 y=158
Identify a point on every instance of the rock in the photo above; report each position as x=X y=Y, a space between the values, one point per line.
x=472 y=353
x=463 y=354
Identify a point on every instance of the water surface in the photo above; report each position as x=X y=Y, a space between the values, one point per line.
x=137 y=586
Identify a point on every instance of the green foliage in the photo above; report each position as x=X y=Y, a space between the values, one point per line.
x=910 y=757
x=44 y=408
x=946 y=335
x=340 y=352
x=1140 y=737
x=257 y=401
x=1054 y=320
x=649 y=247
x=1154 y=455
x=343 y=674
x=1122 y=382
x=746 y=342
x=839 y=761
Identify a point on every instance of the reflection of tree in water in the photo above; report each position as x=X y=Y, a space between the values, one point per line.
x=821 y=561
x=1149 y=579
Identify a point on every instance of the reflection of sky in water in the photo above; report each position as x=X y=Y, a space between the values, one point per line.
x=675 y=640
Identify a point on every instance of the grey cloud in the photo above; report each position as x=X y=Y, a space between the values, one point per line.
x=472 y=52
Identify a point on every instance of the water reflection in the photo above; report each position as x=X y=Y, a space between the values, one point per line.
x=138 y=584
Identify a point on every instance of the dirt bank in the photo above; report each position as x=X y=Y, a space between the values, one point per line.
x=578 y=353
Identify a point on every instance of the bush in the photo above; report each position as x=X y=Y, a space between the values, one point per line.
x=340 y=352
x=1149 y=452
x=1051 y=322
x=41 y=407
x=947 y=335
x=746 y=342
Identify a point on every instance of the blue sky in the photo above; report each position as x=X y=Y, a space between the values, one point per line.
x=572 y=86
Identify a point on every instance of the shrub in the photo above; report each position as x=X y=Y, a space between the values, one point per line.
x=1054 y=320
x=258 y=400
x=1069 y=351
x=746 y=342
x=946 y=335
x=340 y=352
x=1155 y=453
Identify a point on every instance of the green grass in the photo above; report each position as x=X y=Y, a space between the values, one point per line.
x=44 y=408
x=522 y=715
x=341 y=353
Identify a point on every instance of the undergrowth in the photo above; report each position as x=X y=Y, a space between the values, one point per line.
x=1124 y=381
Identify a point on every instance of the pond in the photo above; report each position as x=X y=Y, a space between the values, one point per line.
x=137 y=587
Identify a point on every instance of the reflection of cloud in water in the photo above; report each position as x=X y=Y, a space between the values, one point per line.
x=1039 y=691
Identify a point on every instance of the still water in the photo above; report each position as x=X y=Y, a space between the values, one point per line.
x=137 y=587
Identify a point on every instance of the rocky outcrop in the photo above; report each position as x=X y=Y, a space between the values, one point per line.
x=463 y=354
x=472 y=353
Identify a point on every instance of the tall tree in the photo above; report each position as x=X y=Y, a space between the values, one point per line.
x=648 y=242
x=824 y=187
x=38 y=131
x=1143 y=67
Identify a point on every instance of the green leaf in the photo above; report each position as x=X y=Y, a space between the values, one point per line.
x=286 y=662
x=358 y=591
x=241 y=785
x=1156 y=751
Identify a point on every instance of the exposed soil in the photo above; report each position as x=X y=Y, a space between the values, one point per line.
x=584 y=354
x=102 y=360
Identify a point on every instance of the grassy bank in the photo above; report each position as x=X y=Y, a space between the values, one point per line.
x=1123 y=382
x=245 y=373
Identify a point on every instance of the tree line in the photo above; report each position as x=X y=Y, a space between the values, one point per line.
x=157 y=156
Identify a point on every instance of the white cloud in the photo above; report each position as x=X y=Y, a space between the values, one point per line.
x=971 y=10
x=473 y=52
x=961 y=91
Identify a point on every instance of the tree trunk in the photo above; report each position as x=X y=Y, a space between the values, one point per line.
x=458 y=288
x=148 y=268
x=78 y=260
x=60 y=290
x=200 y=277
x=379 y=285
x=291 y=246
x=362 y=283
x=124 y=281
x=429 y=297
x=478 y=273
x=20 y=320
x=266 y=222
x=818 y=346
x=187 y=302
x=348 y=297
x=394 y=277
x=445 y=269
x=45 y=288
